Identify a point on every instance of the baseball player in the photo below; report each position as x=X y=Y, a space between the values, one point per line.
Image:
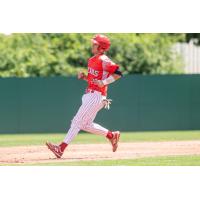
x=101 y=72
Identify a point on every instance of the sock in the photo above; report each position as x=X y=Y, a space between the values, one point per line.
x=63 y=146
x=109 y=135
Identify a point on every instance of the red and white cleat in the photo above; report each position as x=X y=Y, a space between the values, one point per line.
x=114 y=141
x=55 y=149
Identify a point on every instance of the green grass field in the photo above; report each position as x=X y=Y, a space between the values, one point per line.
x=153 y=161
x=83 y=138
x=8 y=140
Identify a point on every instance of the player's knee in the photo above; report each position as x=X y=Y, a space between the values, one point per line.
x=78 y=123
x=88 y=125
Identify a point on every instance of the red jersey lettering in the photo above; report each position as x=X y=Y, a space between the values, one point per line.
x=100 y=67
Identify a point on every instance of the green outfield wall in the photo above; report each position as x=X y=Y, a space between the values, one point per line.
x=158 y=102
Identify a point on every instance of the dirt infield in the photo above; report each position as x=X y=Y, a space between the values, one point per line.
x=78 y=152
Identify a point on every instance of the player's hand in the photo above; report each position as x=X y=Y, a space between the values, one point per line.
x=98 y=82
x=81 y=75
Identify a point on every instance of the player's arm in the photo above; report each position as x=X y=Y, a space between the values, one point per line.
x=117 y=74
x=112 y=78
x=82 y=75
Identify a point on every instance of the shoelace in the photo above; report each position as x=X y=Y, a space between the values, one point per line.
x=56 y=149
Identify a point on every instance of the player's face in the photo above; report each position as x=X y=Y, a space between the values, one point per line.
x=95 y=48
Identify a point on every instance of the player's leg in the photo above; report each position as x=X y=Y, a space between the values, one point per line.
x=112 y=136
x=89 y=102
x=96 y=129
x=80 y=120
x=91 y=127
x=58 y=150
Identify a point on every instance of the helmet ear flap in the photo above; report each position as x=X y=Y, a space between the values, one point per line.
x=100 y=49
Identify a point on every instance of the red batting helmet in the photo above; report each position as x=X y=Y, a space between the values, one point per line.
x=102 y=41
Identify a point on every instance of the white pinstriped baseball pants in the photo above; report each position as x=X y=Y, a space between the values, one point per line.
x=83 y=120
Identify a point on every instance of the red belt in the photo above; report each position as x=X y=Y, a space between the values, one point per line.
x=92 y=91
